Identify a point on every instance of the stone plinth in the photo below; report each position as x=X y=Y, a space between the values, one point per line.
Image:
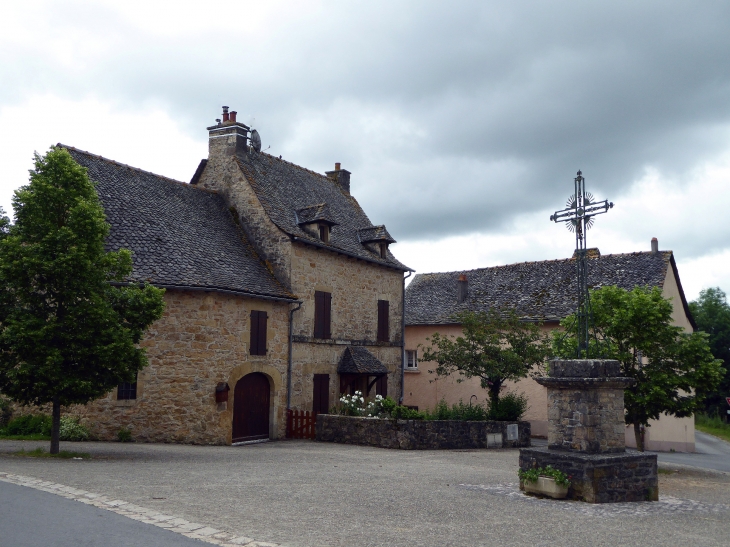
x=600 y=478
x=586 y=406
x=421 y=434
x=586 y=434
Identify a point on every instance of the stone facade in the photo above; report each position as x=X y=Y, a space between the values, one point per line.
x=421 y=434
x=201 y=340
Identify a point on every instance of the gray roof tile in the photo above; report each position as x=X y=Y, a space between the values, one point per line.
x=544 y=291
x=358 y=360
x=284 y=188
x=179 y=235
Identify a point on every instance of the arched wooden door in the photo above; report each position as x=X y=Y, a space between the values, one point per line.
x=251 y=408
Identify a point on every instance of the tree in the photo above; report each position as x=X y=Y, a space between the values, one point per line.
x=495 y=347
x=68 y=335
x=672 y=368
x=712 y=315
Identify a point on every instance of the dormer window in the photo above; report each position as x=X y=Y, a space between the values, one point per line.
x=383 y=250
x=376 y=239
x=324 y=233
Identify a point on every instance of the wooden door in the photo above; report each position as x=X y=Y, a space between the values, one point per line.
x=251 y=408
x=321 y=395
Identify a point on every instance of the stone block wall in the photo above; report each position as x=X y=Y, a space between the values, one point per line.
x=201 y=340
x=420 y=434
x=600 y=478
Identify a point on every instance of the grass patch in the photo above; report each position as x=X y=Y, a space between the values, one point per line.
x=712 y=425
x=33 y=437
x=63 y=454
x=666 y=471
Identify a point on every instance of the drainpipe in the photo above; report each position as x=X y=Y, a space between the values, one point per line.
x=288 y=367
x=403 y=341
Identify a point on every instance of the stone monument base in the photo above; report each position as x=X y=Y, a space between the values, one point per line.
x=600 y=478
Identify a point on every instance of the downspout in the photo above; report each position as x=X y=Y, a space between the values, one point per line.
x=403 y=341
x=289 y=364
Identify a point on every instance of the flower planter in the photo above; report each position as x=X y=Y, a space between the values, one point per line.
x=547 y=487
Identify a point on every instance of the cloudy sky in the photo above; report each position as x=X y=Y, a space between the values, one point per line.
x=463 y=123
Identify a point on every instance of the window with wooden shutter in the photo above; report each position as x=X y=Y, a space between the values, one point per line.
x=383 y=321
x=257 y=345
x=321 y=398
x=322 y=314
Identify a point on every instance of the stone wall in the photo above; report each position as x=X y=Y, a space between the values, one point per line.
x=420 y=434
x=201 y=340
x=600 y=478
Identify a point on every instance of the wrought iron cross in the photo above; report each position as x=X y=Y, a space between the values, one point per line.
x=578 y=217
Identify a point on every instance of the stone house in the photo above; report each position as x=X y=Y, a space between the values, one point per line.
x=280 y=294
x=539 y=291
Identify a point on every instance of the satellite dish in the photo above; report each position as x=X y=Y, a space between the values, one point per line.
x=255 y=141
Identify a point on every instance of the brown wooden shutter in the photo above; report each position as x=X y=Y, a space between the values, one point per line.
x=381 y=386
x=263 y=317
x=327 y=333
x=318 y=314
x=321 y=398
x=254 y=339
x=383 y=321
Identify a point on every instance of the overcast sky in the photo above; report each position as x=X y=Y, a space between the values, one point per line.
x=463 y=123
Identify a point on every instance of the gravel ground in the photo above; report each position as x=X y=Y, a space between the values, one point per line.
x=301 y=493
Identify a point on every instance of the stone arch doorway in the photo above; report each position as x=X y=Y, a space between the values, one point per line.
x=251 y=398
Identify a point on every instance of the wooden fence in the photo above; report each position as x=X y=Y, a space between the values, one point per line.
x=300 y=424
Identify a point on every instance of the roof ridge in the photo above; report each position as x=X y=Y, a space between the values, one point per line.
x=120 y=164
x=634 y=253
x=296 y=165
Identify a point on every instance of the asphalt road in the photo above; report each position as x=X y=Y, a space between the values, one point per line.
x=31 y=518
x=710 y=453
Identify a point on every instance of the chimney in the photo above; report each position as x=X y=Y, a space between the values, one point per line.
x=654 y=245
x=340 y=176
x=228 y=138
x=462 y=288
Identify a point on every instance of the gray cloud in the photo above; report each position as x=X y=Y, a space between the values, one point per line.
x=452 y=118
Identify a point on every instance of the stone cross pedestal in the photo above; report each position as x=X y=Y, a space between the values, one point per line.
x=586 y=434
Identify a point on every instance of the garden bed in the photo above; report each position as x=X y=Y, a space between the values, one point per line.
x=422 y=434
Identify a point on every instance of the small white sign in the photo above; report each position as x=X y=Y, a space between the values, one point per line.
x=513 y=432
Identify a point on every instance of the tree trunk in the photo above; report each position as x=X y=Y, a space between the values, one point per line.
x=639 y=432
x=56 y=427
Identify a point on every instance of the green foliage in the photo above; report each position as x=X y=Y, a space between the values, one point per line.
x=712 y=315
x=124 y=435
x=510 y=407
x=67 y=335
x=63 y=454
x=6 y=411
x=531 y=475
x=713 y=425
x=352 y=405
x=672 y=368
x=73 y=430
x=30 y=424
x=495 y=347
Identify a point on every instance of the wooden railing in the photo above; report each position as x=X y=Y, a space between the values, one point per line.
x=300 y=424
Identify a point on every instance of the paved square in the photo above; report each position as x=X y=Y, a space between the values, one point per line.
x=301 y=493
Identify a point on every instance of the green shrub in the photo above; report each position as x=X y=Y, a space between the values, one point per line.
x=124 y=435
x=510 y=407
x=72 y=430
x=30 y=424
x=6 y=411
x=531 y=475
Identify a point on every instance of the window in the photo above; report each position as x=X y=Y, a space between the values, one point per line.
x=257 y=346
x=127 y=391
x=322 y=313
x=324 y=233
x=383 y=250
x=321 y=396
x=381 y=386
x=411 y=359
x=383 y=321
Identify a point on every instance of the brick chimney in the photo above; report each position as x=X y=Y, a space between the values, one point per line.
x=654 y=245
x=341 y=177
x=227 y=137
x=462 y=288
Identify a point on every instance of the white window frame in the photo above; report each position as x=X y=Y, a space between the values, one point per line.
x=411 y=359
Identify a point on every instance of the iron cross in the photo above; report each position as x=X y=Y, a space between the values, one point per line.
x=578 y=217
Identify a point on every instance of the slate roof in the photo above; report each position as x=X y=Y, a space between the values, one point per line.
x=315 y=213
x=284 y=188
x=376 y=233
x=544 y=291
x=179 y=235
x=358 y=360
